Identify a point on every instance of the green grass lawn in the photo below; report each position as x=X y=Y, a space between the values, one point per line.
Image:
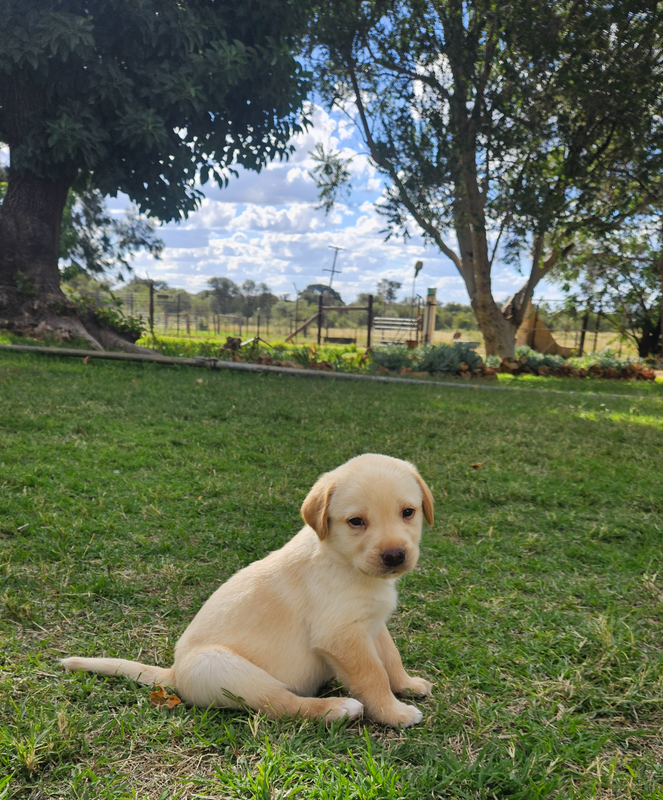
x=129 y=492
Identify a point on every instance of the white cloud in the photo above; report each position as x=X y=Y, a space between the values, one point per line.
x=265 y=226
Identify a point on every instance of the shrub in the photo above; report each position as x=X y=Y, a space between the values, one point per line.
x=111 y=317
x=393 y=358
x=536 y=359
x=448 y=358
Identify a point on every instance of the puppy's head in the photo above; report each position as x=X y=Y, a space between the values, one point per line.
x=370 y=511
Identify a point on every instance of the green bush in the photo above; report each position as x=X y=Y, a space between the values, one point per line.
x=536 y=359
x=605 y=359
x=111 y=317
x=442 y=358
x=447 y=358
x=394 y=358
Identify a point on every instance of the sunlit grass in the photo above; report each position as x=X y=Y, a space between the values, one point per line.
x=129 y=492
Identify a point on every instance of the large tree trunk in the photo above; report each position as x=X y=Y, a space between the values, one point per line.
x=31 y=301
x=30 y=218
x=650 y=339
x=499 y=333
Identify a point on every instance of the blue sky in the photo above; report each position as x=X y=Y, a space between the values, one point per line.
x=266 y=227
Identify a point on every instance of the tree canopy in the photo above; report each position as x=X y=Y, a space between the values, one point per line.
x=620 y=275
x=136 y=97
x=314 y=290
x=497 y=121
x=94 y=241
x=144 y=96
x=228 y=297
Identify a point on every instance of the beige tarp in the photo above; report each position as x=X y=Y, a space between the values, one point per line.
x=536 y=334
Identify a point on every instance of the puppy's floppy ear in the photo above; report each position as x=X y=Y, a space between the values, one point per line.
x=315 y=508
x=428 y=502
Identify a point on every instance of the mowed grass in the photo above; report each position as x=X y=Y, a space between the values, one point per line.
x=129 y=492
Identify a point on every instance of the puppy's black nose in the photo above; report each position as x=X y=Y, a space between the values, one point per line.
x=393 y=558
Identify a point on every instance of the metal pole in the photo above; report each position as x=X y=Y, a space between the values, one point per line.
x=370 y=321
x=319 y=317
x=333 y=270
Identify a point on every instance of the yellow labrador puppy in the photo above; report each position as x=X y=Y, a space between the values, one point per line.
x=277 y=630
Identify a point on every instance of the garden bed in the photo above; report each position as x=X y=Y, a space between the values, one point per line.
x=457 y=360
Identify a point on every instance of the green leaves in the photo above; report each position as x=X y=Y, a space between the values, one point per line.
x=502 y=121
x=142 y=95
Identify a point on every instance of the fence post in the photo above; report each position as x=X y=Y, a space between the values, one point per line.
x=369 y=324
x=319 y=317
x=151 y=312
x=430 y=313
x=583 y=330
x=598 y=325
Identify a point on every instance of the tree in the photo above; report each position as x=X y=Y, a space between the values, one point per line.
x=132 y=97
x=224 y=295
x=95 y=242
x=255 y=296
x=621 y=273
x=314 y=290
x=387 y=289
x=498 y=121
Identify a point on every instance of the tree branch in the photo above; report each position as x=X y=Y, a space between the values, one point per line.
x=388 y=167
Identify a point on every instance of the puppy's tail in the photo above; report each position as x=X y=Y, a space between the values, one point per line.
x=119 y=666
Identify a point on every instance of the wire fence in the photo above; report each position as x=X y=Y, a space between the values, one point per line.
x=173 y=315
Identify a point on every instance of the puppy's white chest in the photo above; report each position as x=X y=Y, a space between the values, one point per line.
x=383 y=607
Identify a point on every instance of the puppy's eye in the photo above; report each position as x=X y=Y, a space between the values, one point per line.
x=356 y=522
x=407 y=513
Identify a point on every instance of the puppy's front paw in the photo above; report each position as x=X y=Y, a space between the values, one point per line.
x=403 y=715
x=344 y=707
x=418 y=687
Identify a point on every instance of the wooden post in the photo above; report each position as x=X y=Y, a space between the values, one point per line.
x=430 y=312
x=319 y=317
x=178 y=313
x=369 y=324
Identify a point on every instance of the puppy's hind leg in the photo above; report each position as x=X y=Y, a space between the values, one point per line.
x=220 y=677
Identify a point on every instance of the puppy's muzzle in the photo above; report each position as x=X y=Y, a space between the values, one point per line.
x=393 y=558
